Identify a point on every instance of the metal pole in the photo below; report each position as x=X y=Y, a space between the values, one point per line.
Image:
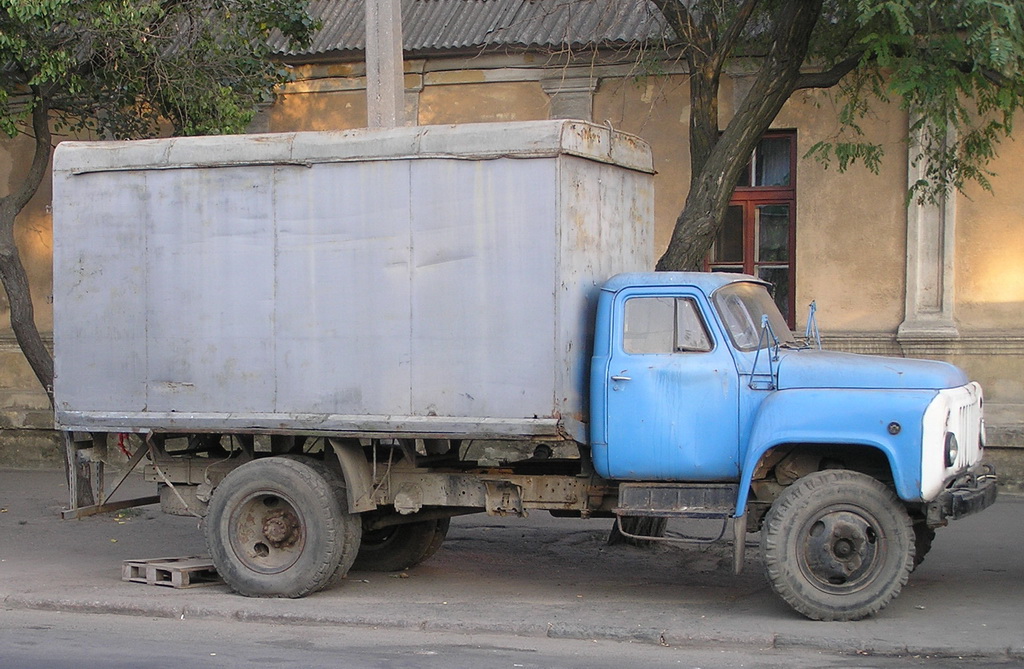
x=385 y=80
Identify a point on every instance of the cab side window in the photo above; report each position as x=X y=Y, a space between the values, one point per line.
x=662 y=325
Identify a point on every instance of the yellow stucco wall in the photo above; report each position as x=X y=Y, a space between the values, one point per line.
x=848 y=225
x=33 y=231
x=335 y=110
x=990 y=246
x=851 y=228
x=24 y=407
x=482 y=102
x=653 y=109
x=462 y=97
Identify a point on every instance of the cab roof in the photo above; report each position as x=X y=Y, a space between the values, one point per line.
x=708 y=282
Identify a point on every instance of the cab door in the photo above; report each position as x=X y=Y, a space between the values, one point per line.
x=672 y=392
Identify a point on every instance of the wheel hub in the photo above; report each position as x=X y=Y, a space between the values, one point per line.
x=266 y=533
x=841 y=550
x=281 y=528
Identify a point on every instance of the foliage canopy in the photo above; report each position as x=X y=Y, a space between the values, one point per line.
x=126 y=69
x=956 y=66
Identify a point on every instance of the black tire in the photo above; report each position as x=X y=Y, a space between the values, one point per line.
x=837 y=545
x=923 y=538
x=280 y=527
x=399 y=547
x=644 y=526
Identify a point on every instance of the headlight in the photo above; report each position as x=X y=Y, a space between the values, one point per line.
x=952 y=449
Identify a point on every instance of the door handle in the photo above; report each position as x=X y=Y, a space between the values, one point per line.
x=621 y=378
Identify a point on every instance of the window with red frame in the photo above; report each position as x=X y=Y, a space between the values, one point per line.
x=759 y=233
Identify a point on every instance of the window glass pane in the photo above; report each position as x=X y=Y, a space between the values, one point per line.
x=773 y=233
x=744 y=180
x=771 y=162
x=729 y=243
x=691 y=334
x=742 y=307
x=779 y=277
x=649 y=325
x=738 y=321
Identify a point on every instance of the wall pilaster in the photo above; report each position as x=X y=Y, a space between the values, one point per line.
x=571 y=92
x=930 y=265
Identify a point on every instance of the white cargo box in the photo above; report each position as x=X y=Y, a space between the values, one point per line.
x=426 y=281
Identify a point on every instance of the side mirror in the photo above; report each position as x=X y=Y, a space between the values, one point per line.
x=811 y=333
x=765 y=340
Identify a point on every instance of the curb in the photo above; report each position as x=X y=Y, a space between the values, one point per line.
x=551 y=630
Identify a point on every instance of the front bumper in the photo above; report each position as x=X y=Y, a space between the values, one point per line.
x=971 y=493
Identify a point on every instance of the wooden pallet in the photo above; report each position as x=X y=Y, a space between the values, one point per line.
x=173 y=572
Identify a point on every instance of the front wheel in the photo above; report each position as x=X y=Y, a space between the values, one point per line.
x=923 y=538
x=837 y=545
x=280 y=527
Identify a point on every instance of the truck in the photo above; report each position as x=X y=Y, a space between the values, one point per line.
x=329 y=344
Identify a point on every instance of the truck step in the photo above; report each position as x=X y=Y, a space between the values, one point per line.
x=174 y=572
x=677 y=500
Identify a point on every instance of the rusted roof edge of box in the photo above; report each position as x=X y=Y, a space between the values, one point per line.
x=473 y=141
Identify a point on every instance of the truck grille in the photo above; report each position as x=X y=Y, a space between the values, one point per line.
x=966 y=422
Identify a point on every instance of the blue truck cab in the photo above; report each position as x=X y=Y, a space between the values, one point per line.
x=846 y=463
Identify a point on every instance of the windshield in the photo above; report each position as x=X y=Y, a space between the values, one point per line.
x=741 y=306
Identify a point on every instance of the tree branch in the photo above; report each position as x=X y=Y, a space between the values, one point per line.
x=12 y=271
x=995 y=78
x=40 y=158
x=678 y=17
x=829 y=77
x=732 y=34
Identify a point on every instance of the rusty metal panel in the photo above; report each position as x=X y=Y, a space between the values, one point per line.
x=431 y=281
x=705 y=500
x=98 y=298
x=209 y=290
x=343 y=289
x=603 y=232
x=484 y=272
x=409 y=490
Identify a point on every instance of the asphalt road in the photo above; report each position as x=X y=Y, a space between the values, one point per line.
x=45 y=640
x=536 y=578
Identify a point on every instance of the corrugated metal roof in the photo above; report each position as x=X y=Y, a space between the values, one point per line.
x=443 y=25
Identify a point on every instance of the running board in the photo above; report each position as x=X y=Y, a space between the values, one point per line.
x=705 y=501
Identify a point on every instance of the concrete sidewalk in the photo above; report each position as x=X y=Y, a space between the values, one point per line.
x=537 y=577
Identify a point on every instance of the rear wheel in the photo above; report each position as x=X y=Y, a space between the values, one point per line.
x=838 y=545
x=280 y=527
x=398 y=547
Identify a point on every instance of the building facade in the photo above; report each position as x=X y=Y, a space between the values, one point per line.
x=943 y=282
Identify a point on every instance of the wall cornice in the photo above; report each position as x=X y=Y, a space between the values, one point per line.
x=446 y=69
x=970 y=342
x=8 y=343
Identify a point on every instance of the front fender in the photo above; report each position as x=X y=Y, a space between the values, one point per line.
x=866 y=417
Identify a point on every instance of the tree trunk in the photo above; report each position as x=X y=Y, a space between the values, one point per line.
x=708 y=199
x=713 y=180
x=12 y=271
x=16 y=285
